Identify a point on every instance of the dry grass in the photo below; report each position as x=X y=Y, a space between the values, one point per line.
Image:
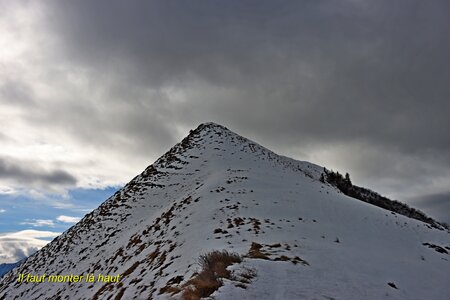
x=255 y=251
x=246 y=276
x=120 y=294
x=238 y=221
x=282 y=258
x=171 y=290
x=131 y=269
x=213 y=270
x=297 y=260
x=153 y=255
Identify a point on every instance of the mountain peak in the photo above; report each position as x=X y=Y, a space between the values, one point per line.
x=210 y=127
x=215 y=130
x=217 y=195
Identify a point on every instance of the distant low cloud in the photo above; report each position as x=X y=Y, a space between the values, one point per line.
x=67 y=219
x=2 y=210
x=39 y=223
x=15 y=246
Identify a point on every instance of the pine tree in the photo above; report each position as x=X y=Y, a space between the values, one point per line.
x=347 y=179
x=322 y=178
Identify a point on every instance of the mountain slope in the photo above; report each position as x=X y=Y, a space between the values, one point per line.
x=4 y=268
x=299 y=237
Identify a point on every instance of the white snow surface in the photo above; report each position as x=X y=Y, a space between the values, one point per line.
x=155 y=228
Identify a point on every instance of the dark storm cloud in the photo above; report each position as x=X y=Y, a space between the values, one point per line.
x=28 y=174
x=437 y=204
x=126 y=124
x=371 y=77
x=318 y=70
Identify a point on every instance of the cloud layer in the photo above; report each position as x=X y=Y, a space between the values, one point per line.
x=68 y=219
x=95 y=91
x=18 y=245
x=16 y=172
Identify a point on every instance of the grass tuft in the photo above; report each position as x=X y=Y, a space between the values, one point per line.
x=213 y=269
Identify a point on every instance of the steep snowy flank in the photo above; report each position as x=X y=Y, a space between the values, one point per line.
x=289 y=235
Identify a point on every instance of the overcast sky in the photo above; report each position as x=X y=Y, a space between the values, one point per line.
x=91 y=92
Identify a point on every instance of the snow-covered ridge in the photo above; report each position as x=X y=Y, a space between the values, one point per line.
x=216 y=190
